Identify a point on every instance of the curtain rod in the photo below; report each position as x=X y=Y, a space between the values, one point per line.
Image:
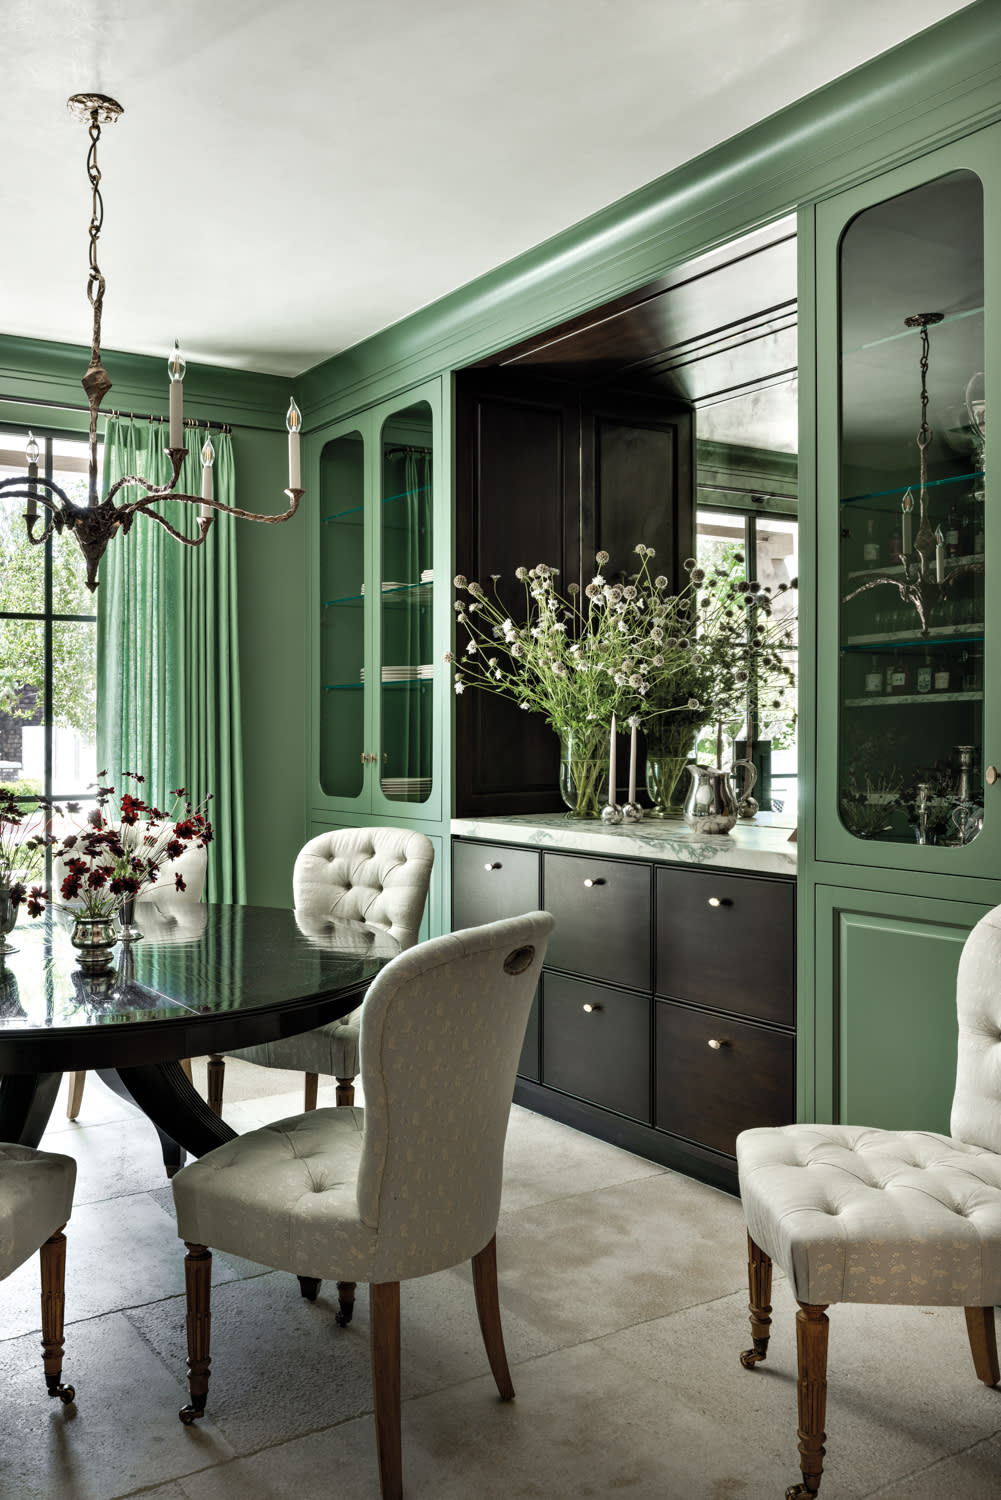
x=136 y=416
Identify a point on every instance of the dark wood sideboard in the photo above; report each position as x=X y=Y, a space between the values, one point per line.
x=665 y=1016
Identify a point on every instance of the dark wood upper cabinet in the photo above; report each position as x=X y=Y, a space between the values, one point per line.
x=550 y=472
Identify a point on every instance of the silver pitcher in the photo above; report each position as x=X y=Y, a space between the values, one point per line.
x=711 y=805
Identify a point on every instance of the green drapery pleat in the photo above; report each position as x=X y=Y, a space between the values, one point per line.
x=168 y=649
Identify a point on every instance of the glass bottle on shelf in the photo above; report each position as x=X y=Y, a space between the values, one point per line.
x=923 y=675
x=952 y=531
x=870 y=547
x=941 y=677
x=898 y=679
x=873 y=683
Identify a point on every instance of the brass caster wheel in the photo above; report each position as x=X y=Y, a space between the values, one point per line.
x=188 y=1414
x=66 y=1393
x=343 y=1315
x=751 y=1357
x=800 y=1491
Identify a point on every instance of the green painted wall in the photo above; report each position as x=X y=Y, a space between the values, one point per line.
x=272 y=566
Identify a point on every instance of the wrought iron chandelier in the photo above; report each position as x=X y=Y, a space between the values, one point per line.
x=94 y=524
x=925 y=582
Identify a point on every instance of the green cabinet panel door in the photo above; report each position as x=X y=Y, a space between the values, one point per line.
x=886 y=999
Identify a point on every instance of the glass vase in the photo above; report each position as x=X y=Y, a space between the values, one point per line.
x=666 y=758
x=583 y=771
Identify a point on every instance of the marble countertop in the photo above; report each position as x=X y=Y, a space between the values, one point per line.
x=761 y=846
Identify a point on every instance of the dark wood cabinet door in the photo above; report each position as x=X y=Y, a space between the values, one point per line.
x=727 y=941
x=491 y=881
x=716 y=1076
x=602 y=912
x=596 y=1044
x=636 y=481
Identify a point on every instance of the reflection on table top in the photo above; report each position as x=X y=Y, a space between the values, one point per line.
x=194 y=962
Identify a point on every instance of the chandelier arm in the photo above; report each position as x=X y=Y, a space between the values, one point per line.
x=154 y=491
x=204 y=522
x=7 y=486
x=141 y=507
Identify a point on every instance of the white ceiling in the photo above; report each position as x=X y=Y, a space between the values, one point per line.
x=289 y=178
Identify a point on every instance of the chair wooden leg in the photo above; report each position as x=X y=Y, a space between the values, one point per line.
x=198 y=1292
x=982 y=1331
x=216 y=1081
x=77 y=1081
x=345 y=1091
x=811 y=1351
x=759 y=1281
x=53 y=1259
x=488 y=1312
x=384 y=1298
x=309 y=1092
x=186 y=1068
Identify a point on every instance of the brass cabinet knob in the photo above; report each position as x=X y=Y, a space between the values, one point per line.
x=991 y=775
x=715 y=901
x=590 y=1009
x=717 y=1042
x=494 y=866
x=597 y=880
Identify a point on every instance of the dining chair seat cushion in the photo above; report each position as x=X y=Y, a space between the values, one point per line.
x=857 y=1214
x=36 y=1198
x=331 y=1050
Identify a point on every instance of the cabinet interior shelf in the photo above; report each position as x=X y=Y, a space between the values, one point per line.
x=914 y=486
x=946 y=635
x=358 y=687
x=881 y=700
x=897 y=571
x=400 y=593
x=356 y=510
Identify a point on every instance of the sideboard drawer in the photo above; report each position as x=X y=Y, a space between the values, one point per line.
x=602 y=911
x=709 y=1093
x=491 y=881
x=596 y=1044
x=727 y=941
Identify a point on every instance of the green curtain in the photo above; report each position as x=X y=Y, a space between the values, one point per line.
x=168 y=648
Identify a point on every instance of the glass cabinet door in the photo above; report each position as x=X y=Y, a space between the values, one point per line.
x=406 y=688
x=912 y=516
x=342 y=619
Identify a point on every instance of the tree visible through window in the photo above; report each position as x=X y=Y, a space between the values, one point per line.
x=48 y=636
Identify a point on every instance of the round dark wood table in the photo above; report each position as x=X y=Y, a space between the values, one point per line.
x=204 y=978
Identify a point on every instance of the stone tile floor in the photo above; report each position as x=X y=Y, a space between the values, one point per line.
x=623 y=1288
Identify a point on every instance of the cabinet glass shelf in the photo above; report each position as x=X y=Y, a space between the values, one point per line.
x=358 y=510
x=884 y=700
x=400 y=593
x=897 y=570
x=903 y=640
x=901 y=489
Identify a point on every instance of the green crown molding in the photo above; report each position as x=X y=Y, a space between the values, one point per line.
x=35 y=369
x=931 y=89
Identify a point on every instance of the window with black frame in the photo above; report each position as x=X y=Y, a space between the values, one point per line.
x=768 y=543
x=48 y=637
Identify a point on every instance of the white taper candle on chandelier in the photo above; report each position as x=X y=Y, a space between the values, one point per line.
x=31 y=453
x=293 y=421
x=611 y=764
x=906 y=506
x=208 y=459
x=632 y=765
x=939 y=555
x=175 y=369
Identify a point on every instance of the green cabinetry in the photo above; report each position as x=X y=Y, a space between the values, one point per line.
x=377 y=737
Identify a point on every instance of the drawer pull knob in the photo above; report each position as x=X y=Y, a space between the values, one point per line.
x=991 y=775
x=716 y=1043
x=597 y=880
x=590 y=1009
x=495 y=866
x=715 y=901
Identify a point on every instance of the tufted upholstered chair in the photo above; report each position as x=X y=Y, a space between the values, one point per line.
x=160 y=897
x=36 y=1199
x=906 y=1217
x=402 y=1189
x=374 y=880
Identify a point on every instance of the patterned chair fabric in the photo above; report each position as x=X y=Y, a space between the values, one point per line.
x=36 y=1198
x=409 y=1186
x=853 y=1214
x=372 y=882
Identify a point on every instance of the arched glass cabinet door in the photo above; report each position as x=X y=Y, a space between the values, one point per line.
x=406 y=689
x=342 y=617
x=912 y=516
